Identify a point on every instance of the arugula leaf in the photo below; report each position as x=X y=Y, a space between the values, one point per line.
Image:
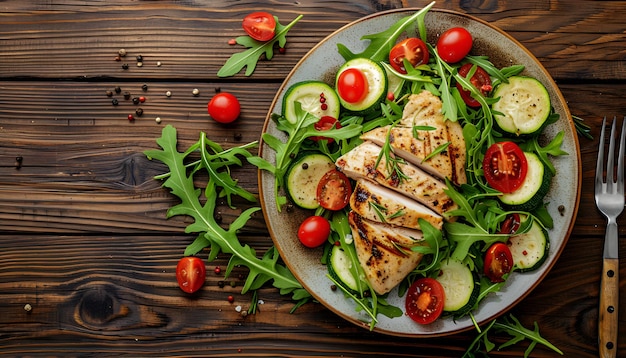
x=553 y=148
x=251 y=56
x=210 y=233
x=382 y=42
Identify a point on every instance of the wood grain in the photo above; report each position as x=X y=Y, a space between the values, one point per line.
x=84 y=238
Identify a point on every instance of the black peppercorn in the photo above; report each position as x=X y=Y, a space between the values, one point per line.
x=126 y=95
x=109 y=93
x=114 y=101
x=139 y=58
x=18 y=162
x=144 y=87
x=139 y=112
x=238 y=136
x=125 y=66
x=118 y=89
x=135 y=100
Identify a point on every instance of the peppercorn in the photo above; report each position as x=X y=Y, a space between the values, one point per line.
x=114 y=101
x=118 y=58
x=144 y=87
x=168 y=94
x=157 y=119
x=131 y=117
x=18 y=162
x=139 y=58
x=142 y=99
x=238 y=136
x=231 y=299
x=135 y=100
x=195 y=92
x=139 y=64
x=109 y=93
x=122 y=52
x=125 y=66
x=220 y=284
x=217 y=270
x=118 y=89
x=139 y=112
x=126 y=95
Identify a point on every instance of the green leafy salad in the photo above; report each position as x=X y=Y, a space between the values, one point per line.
x=495 y=222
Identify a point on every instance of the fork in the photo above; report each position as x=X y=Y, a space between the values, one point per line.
x=610 y=201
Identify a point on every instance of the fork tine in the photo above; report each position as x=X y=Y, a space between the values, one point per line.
x=600 y=162
x=610 y=161
x=621 y=159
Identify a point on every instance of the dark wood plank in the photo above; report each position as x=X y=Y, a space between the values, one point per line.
x=584 y=42
x=107 y=293
x=78 y=150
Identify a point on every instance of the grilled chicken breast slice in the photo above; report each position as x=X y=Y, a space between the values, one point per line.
x=360 y=163
x=377 y=203
x=416 y=145
x=384 y=252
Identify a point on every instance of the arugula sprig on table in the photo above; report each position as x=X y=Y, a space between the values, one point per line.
x=511 y=326
x=216 y=162
x=250 y=57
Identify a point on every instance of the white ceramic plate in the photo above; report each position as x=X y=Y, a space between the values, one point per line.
x=321 y=63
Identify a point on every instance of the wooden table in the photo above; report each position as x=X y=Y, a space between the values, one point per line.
x=84 y=239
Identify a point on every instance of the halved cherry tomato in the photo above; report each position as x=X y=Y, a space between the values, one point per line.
x=190 y=273
x=505 y=166
x=498 y=262
x=413 y=49
x=424 y=300
x=480 y=80
x=510 y=224
x=224 y=107
x=260 y=25
x=325 y=123
x=352 y=85
x=314 y=231
x=334 y=190
x=454 y=44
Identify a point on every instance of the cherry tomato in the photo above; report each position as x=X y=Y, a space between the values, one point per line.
x=424 y=300
x=454 y=44
x=498 y=262
x=334 y=190
x=505 y=166
x=260 y=25
x=510 y=224
x=224 y=107
x=314 y=231
x=413 y=49
x=480 y=80
x=190 y=273
x=325 y=123
x=352 y=85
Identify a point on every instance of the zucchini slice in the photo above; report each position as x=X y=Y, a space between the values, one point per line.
x=309 y=94
x=460 y=286
x=530 y=249
x=303 y=176
x=535 y=186
x=523 y=107
x=340 y=268
x=376 y=81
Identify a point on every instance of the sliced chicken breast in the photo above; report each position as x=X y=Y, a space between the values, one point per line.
x=360 y=163
x=377 y=203
x=384 y=251
x=416 y=144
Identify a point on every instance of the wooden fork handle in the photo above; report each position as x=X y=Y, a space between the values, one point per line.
x=609 y=300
